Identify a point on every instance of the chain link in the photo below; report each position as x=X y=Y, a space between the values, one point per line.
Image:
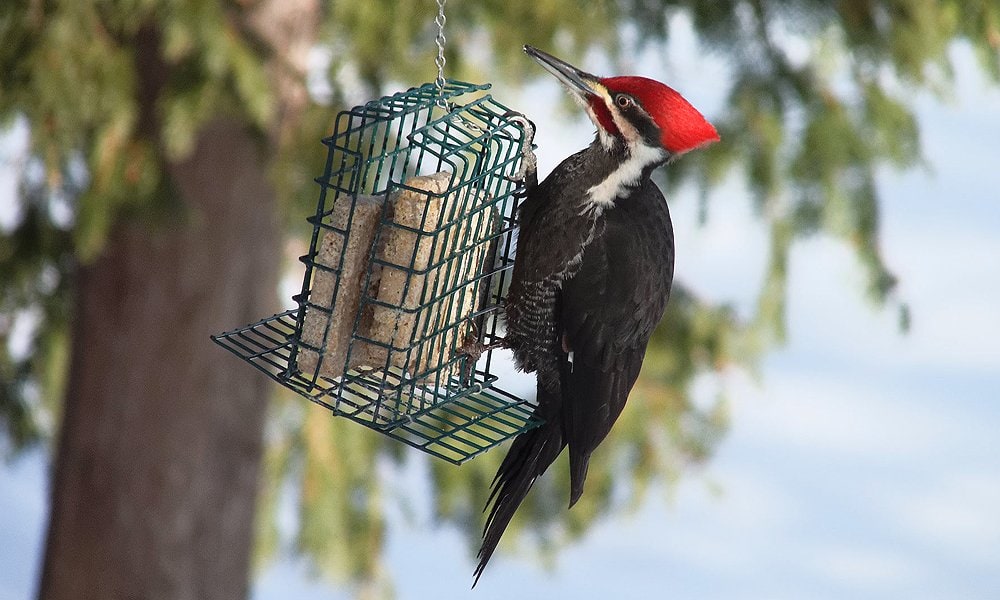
x=440 y=60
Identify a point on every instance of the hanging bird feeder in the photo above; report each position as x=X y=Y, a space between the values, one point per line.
x=406 y=271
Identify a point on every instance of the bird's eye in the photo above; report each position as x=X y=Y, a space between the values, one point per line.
x=623 y=101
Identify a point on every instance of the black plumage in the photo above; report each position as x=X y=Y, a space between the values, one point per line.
x=588 y=285
x=591 y=277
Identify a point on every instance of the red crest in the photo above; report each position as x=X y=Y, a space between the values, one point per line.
x=683 y=127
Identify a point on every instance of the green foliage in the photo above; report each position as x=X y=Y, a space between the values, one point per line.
x=115 y=91
x=112 y=91
x=659 y=438
x=32 y=260
x=816 y=107
x=386 y=40
x=80 y=72
x=808 y=133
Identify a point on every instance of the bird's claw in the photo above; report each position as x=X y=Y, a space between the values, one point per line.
x=527 y=173
x=472 y=347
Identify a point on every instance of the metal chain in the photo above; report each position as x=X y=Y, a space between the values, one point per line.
x=440 y=40
x=440 y=60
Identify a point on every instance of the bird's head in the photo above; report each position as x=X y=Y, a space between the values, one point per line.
x=636 y=112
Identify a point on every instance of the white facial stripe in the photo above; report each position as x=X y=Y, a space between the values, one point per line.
x=627 y=174
x=630 y=133
x=640 y=156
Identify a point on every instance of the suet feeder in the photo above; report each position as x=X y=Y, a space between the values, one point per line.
x=407 y=268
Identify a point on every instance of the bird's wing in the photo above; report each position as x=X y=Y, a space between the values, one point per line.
x=608 y=311
x=552 y=235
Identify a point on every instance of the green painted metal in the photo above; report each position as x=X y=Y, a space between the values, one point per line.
x=431 y=392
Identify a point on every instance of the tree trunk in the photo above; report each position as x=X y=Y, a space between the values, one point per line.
x=157 y=468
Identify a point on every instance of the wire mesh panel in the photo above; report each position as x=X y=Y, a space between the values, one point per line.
x=409 y=256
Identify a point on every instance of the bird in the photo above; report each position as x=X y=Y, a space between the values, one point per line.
x=593 y=267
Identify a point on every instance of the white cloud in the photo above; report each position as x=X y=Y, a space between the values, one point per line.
x=824 y=414
x=863 y=568
x=749 y=502
x=732 y=236
x=951 y=287
x=956 y=514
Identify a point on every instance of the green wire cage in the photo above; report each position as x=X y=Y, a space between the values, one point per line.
x=407 y=268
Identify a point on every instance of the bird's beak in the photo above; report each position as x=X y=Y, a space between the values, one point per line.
x=582 y=84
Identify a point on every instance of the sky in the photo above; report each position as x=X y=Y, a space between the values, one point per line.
x=861 y=463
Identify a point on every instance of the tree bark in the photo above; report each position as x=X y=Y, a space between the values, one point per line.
x=157 y=468
x=156 y=472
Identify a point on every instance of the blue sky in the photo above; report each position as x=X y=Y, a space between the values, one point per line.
x=861 y=464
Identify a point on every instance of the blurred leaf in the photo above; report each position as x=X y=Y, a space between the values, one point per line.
x=817 y=101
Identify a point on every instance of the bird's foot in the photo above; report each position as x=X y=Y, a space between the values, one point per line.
x=473 y=348
x=527 y=173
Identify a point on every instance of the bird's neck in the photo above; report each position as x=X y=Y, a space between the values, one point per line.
x=620 y=169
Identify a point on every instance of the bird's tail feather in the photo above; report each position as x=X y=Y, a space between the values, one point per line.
x=529 y=455
x=593 y=400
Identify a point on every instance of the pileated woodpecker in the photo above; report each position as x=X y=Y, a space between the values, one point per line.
x=592 y=273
